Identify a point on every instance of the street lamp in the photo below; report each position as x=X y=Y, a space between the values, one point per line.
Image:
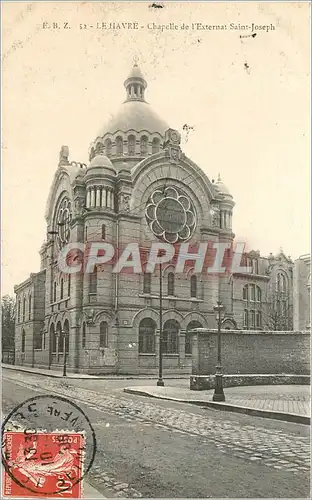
x=65 y=333
x=160 y=381
x=218 y=392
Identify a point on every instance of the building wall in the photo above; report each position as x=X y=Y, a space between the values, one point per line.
x=302 y=293
x=248 y=352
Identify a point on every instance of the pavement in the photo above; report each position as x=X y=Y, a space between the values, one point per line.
x=81 y=376
x=158 y=448
x=283 y=402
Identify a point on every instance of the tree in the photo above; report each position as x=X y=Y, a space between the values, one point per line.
x=278 y=314
x=8 y=322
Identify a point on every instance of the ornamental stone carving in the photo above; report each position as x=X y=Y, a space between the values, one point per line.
x=124 y=202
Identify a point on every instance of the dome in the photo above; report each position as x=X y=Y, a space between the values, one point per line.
x=221 y=187
x=135 y=115
x=101 y=161
x=100 y=165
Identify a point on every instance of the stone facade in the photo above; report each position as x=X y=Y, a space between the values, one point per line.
x=302 y=293
x=108 y=322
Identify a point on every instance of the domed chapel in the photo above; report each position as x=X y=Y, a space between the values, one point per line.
x=139 y=187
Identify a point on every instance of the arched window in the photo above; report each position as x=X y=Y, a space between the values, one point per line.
x=155 y=146
x=245 y=292
x=29 y=306
x=23 y=340
x=54 y=291
x=108 y=147
x=103 y=232
x=252 y=319
x=60 y=335
x=143 y=145
x=93 y=281
x=171 y=284
x=62 y=288
x=258 y=319
x=19 y=310
x=24 y=308
x=258 y=296
x=103 y=334
x=252 y=293
x=119 y=145
x=171 y=337
x=245 y=318
x=68 y=284
x=66 y=333
x=99 y=148
x=84 y=335
x=147 y=283
x=53 y=339
x=188 y=336
x=193 y=286
x=147 y=330
x=131 y=145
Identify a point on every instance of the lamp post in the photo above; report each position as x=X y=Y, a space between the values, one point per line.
x=218 y=392
x=65 y=333
x=160 y=381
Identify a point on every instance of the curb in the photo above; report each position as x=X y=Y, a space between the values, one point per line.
x=287 y=417
x=92 y=377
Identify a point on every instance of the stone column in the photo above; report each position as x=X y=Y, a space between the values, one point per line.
x=88 y=202
x=157 y=349
x=92 y=196
x=108 y=203
x=98 y=196
x=112 y=200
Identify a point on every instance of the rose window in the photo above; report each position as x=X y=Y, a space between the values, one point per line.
x=63 y=220
x=170 y=215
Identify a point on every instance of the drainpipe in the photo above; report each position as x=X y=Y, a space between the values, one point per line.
x=117 y=274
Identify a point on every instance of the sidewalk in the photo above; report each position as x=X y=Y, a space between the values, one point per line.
x=282 y=402
x=81 y=376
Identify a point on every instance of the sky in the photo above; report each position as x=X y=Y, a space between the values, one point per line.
x=247 y=99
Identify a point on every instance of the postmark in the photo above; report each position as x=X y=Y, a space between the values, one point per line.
x=48 y=445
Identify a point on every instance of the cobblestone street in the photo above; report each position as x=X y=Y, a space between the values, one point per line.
x=274 y=448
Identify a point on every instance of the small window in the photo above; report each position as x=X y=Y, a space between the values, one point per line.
x=252 y=319
x=258 y=294
x=193 y=286
x=93 y=281
x=252 y=293
x=104 y=334
x=19 y=310
x=24 y=308
x=23 y=341
x=108 y=148
x=29 y=307
x=147 y=283
x=258 y=319
x=62 y=288
x=143 y=145
x=131 y=145
x=54 y=291
x=103 y=232
x=68 y=284
x=245 y=319
x=84 y=335
x=245 y=292
x=119 y=146
x=171 y=284
x=155 y=146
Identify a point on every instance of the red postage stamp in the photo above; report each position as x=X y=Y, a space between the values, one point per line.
x=47 y=464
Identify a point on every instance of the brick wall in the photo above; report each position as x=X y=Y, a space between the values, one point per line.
x=254 y=352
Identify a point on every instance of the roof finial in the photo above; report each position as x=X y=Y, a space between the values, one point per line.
x=219 y=177
x=135 y=60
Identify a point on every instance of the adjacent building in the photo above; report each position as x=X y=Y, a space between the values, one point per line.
x=302 y=293
x=139 y=187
